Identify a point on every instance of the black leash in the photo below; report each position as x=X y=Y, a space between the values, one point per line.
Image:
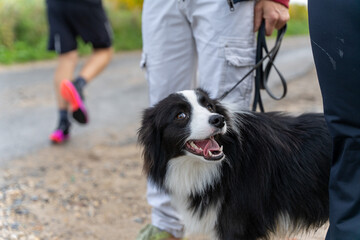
x=262 y=75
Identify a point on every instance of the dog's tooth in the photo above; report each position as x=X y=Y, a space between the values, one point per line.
x=193 y=145
x=221 y=148
x=210 y=154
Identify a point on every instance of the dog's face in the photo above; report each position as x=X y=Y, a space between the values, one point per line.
x=203 y=123
x=184 y=123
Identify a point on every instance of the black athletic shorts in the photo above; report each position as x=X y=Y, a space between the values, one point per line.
x=69 y=19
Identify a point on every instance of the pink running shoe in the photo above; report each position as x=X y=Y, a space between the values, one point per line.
x=70 y=94
x=58 y=136
x=61 y=133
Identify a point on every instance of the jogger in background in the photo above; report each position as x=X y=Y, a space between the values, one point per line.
x=69 y=19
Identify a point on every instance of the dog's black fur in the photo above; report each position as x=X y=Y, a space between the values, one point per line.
x=276 y=167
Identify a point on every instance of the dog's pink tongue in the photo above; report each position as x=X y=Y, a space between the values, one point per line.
x=208 y=145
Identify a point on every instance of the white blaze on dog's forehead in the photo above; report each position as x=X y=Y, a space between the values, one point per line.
x=191 y=96
x=200 y=127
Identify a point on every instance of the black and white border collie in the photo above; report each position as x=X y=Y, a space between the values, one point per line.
x=237 y=175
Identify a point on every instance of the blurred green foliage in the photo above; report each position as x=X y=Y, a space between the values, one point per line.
x=298 y=24
x=24 y=29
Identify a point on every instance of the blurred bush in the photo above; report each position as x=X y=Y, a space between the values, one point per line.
x=7 y=26
x=24 y=29
x=298 y=24
x=298 y=12
x=126 y=4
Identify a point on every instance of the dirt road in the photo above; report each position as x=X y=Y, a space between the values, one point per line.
x=97 y=191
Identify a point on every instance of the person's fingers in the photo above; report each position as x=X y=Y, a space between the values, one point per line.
x=283 y=17
x=271 y=19
x=275 y=14
x=258 y=16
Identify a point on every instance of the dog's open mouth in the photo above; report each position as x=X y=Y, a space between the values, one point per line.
x=207 y=148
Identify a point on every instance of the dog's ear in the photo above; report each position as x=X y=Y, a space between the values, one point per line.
x=146 y=134
x=149 y=136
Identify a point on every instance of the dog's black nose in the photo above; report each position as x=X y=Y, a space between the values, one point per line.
x=217 y=121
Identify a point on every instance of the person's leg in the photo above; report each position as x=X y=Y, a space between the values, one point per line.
x=89 y=21
x=62 y=40
x=96 y=63
x=98 y=60
x=226 y=48
x=169 y=58
x=169 y=54
x=335 y=37
x=64 y=70
x=66 y=65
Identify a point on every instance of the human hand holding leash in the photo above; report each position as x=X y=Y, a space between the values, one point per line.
x=275 y=14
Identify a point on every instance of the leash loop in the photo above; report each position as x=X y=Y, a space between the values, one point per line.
x=262 y=75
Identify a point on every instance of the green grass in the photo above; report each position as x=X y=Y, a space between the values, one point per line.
x=23 y=52
x=24 y=30
x=297 y=27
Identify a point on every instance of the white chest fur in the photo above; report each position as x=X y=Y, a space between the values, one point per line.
x=188 y=175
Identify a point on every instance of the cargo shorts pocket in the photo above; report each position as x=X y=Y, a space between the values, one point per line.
x=239 y=56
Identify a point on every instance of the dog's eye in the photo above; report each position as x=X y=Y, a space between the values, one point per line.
x=181 y=116
x=210 y=107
